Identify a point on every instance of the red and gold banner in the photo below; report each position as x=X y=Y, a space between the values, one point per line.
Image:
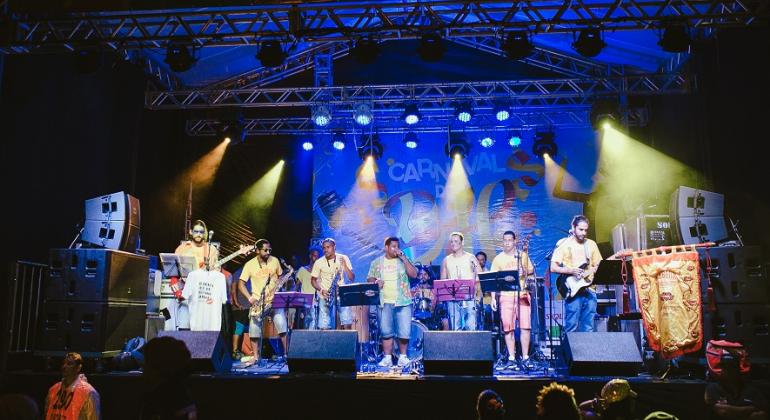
x=668 y=294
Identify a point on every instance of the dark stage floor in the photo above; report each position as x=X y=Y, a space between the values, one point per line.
x=387 y=394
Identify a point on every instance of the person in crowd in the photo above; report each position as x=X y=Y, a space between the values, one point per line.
x=616 y=401
x=73 y=398
x=557 y=401
x=18 y=407
x=167 y=363
x=731 y=396
x=489 y=405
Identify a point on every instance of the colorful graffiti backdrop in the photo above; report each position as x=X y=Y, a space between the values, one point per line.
x=408 y=195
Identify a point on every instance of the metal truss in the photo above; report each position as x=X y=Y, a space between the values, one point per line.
x=325 y=22
x=519 y=93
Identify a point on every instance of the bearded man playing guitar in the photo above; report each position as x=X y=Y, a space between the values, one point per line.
x=576 y=259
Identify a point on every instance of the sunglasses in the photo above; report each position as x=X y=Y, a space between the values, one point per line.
x=198 y=231
x=268 y=250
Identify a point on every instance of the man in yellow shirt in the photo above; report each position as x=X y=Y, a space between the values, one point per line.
x=570 y=254
x=511 y=310
x=306 y=286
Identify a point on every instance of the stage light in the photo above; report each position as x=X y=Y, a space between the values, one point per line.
x=675 y=39
x=307 y=145
x=514 y=139
x=463 y=112
x=457 y=145
x=410 y=140
x=338 y=141
x=502 y=112
x=179 y=58
x=431 y=47
x=545 y=144
x=371 y=147
x=604 y=111
x=606 y=125
x=233 y=131
x=271 y=53
x=487 y=141
x=321 y=115
x=366 y=50
x=362 y=114
x=411 y=114
x=589 y=42
x=517 y=45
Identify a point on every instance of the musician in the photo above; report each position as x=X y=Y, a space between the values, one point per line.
x=481 y=257
x=461 y=265
x=424 y=289
x=391 y=272
x=511 y=258
x=570 y=254
x=198 y=247
x=306 y=286
x=324 y=271
x=263 y=271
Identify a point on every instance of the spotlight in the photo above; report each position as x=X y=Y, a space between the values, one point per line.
x=371 y=147
x=410 y=140
x=517 y=45
x=362 y=114
x=502 y=112
x=338 y=141
x=514 y=139
x=602 y=111
x=307 y=145
x=321 y=115
x=487 y=141
x=589 y=42
x=234 y=131
x=411 y=114
x=463 y=112
x=675 y=39
x=178 y=57
x=271 y=53
x=431 y=47
x=457 y=145
x=366 y=50
x=545 y=144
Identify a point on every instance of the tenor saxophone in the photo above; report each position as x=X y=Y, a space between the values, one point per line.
x=333 y=288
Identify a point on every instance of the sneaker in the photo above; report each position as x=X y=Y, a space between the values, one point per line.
x=502 y=364
x=237 y=355
x=528 y=363
x=387 y=361
x=403 y=360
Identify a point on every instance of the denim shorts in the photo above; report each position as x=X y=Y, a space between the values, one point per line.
x=398 y=318
x=326 y=315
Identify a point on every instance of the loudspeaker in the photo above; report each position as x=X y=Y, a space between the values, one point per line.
x=118 y=206
x=648 y=231
x=112 y=221
x=737 y=275
x=208 y=349
x=91 y=328
x=321 y=351
x=458 y=353
x=96 y=275
x=694 y=230
x=746 y=323
x=687 y=201
x=602 y=354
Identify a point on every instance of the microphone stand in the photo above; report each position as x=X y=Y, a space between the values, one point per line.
x=547 y=275
x=77 y=236
x=262 y=318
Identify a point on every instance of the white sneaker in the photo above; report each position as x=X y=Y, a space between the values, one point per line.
x=387 y=361
x=403 y=360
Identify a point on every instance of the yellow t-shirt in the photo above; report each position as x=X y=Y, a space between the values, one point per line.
x=304 y=277
x=199 y=252
x=570 y=253
x=505 y=262
x=390 y=277
x=258 y=272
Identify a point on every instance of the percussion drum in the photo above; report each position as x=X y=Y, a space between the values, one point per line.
x=361 y=322
x=414 y=350
x=422 y=308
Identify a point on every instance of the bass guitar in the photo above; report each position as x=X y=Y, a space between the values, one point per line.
x=569 y=285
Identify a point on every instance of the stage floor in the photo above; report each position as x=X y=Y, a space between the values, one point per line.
x=270 y=391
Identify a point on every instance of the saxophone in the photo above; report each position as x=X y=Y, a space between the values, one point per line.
x=257 y=311
x=333 y=288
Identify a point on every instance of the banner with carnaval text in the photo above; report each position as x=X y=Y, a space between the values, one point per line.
x=420 y=196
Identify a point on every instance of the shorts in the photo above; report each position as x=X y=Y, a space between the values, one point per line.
x=279 y=322
x=509 y=312
x=398 y=318
x=326 y=318
x=241 y=319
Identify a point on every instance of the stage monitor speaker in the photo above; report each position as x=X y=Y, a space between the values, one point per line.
x=737 y=275
x=89 y=274
x=209 y=350
x=691 y=202
x=322 y=351
x=602 y=354
x=458 y=353
x=746 y=323
x=95 y=329
x=119 y=206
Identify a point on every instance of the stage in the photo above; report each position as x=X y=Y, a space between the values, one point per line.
x=370 y=395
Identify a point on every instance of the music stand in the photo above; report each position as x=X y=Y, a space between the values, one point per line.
x=359 y=294
x=500 y=281
x=288 y=300
x=454 y=290
x=175 y=265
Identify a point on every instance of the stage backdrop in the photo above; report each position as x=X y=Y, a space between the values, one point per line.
x=417 y=196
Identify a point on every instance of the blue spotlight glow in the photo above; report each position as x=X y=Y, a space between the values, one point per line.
x=411 y=114
x=321 y=116
x=338 y=141
x=410 y=140
x=515 y=140
x=487 y=141
x=307 y=145
x=362 y=114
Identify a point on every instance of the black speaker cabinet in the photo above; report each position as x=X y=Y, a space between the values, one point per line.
x=98 y=329
x=602 y=354
x=746 y=323
x=318 y=351
x=737 y=275
x=97 y=275
x=209 y=350
x=458 y=353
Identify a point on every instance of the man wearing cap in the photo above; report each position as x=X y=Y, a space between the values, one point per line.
x=731 y=397
x=616 y=401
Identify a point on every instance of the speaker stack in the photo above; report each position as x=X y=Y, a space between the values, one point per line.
x=112 y=221
x=741 y=298
x=697 y=216
x=94 y=300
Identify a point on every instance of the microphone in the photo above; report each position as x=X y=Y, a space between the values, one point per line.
x=211 y=233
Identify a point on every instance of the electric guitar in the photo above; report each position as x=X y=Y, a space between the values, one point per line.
x=243 y=250
x=570 y=285
x=257 y=310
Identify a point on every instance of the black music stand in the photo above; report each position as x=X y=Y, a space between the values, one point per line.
x=359 y=294
x=175 y=265
x=453 y=291
x=501 y=281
